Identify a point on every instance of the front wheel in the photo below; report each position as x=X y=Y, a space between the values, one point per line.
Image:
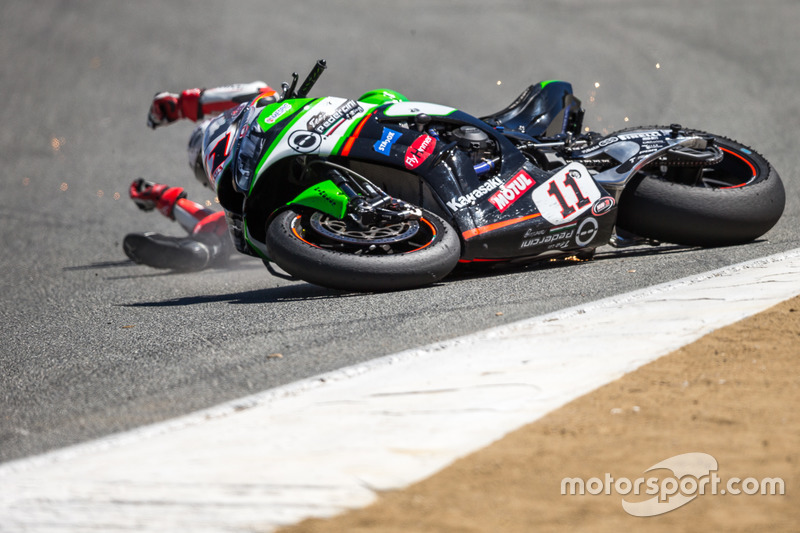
x=735 y=200
x=341 y=254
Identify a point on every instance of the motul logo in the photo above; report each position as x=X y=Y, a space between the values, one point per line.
x=511 y=191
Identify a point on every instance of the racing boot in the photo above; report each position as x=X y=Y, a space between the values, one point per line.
x=162 y=251
x=208 y=244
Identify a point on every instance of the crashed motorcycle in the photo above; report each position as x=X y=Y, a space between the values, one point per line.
x=382 y=193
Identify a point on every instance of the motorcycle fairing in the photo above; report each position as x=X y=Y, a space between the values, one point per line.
x=412 y=109
x=497 y=215
x=426 y=148
x=561 y=211
x=545 y=109
x=633 y=150
x=326 y=197
x=317 y=127
x=493 y=214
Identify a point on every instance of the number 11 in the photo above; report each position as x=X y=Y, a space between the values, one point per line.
x=555 y=191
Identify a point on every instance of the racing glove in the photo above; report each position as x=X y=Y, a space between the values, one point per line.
x=168 y=107
x=148 y=196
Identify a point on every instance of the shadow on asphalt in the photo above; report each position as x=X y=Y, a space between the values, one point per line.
x=100 y=265
x=482 y=270
x=289 y=293
x=235 y=263
x=302 y=291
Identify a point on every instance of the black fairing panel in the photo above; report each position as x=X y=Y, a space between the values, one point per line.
x=539 y=110
x=490 y=227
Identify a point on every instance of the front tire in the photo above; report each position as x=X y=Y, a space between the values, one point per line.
x=320 y=250
x=736 y=201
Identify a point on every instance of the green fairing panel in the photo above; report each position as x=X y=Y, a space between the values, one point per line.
x=274 y=113
x=325 y=197
x=316 y=128
x=382 y=96
x=548 y=82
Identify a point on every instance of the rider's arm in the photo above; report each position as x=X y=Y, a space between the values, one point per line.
x=195 y=104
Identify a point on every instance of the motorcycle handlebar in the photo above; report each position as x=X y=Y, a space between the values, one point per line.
x=312 y=78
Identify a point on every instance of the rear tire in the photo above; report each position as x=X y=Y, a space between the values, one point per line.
x=747 y=203
x=426 y=257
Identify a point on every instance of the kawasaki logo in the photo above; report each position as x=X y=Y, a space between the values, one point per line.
x=463 y=201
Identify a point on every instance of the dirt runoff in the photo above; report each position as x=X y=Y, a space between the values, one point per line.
x=733 y=395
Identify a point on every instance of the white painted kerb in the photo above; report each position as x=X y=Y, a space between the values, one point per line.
x=320 y=445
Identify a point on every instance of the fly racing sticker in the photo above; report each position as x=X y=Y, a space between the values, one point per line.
x=325 y=124
x=304 y=142
x=485 y=188
x=388 y=138
x=567 y=195
x=511 y=191
x=419 y=151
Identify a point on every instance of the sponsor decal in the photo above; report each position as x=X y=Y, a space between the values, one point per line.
x=278 y=113
x=532 y=232
x=555 y=236
x=304 y=142
x=485 y=188
x=325 y=124
x=565 y=227
x=567 y=195
x=419 y=151
x=511 y=191
x=563 y=236
x=603 y=206
x=586 y=231
x=606 y=142
x=389 y=137
x=646 y=135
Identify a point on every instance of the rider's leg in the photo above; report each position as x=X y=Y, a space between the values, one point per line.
x=208 y=243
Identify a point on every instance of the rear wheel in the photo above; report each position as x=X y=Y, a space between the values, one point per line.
x=735 y=200
x=342 y=254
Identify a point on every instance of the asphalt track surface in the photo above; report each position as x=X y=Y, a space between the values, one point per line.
x=92 y=344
